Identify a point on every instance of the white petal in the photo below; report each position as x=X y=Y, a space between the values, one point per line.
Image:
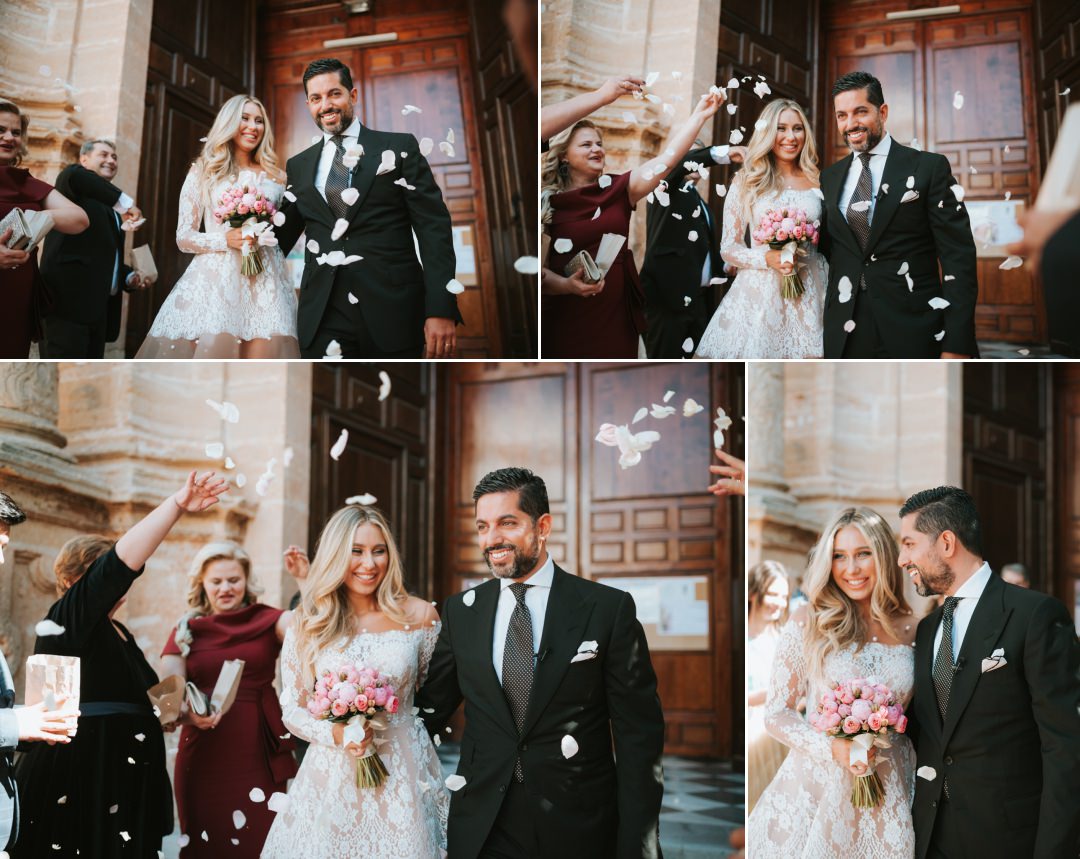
x=762 y=89
x=350 y=161
x=241 y=481
x=215 y=450
x=410 y=108
x=1008 y=194
x=446 y=149
x=353 y=299
x=124 y=835
x=668 y=395
x=569 y=746
x=426 y=145
x=669 y=109
x=849 y=326
x=365 y=500
x=910 y=182
x=910 y=283
x=455 y=782
x=938 y=303
x=949 y=277
x=903 y=268
x=676 y=76
x=721 y=190
x=884 y=189
x=349 y=260
x=339 y=445
x=278 y=802
x=604 y=180
x=257 y=795
x=660 y=412
x=47 y=627
x=692 y=235
x=450 y=135
x=286 y=456
x=469 y=598
x=350 y=196
x=760 y=124
x=860 y=206
x=239 y=819
x=1011 y=262
x=731 y=108
x=62 y=800
x=972 y=170
x=717 y=281
x=404 y=184
x=733 y=84
x=686 y=300
x=688 y=345
x=958 y=100
x=290 y=196
x=640 y=414
x=384 y=385
x=140 y=737
x=691 y=407
x=389 y=160
x=596 y=214
x=335 y=258
x=455 y=286
x=1024 y=352
x=928 y=773
x=958 y=192
x=340 y=226
x=651 y=78
x=229 y=462
x=940 y=336
x=527 y=265
x=313 y=246
x=278 y=219
x=563 y=246
x=735 y=138
x=113 y=809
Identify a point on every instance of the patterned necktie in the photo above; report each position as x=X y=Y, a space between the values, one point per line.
x=944 y=667
x=337 y=180
x=517 y=667
x=859 y=219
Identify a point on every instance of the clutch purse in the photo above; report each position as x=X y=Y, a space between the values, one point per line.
x=584 y=262
x=197 y=702
x=27 y=228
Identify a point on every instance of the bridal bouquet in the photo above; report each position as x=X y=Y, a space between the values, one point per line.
x=789 y=231
x=245 y=206
x=866 y=713
x=354 y=695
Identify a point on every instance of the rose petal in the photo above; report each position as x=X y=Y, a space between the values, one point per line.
x=903 y=268
x=735 y=138
x=278 y=802
x=849 y=326
x=313 y=246
x=239 y=819
x=455 y=782
x=688 y=345
x=469 y=598
x=604 y=180
x=446 y=149
x=410 y=108
x=910 y=182
x=949 y=277
x=691 y=407
x=958 y=192
x=365 y=500
x=278 y=219
x=569 y=746
x=404 y=184
x=46 y=628
x=527 y=265
x=426 y=145
x=958 y=100
x=350 y=196
x=940 y=336
x=353 y=299
x=1011 y=262
x=455 y=286
x=384 y=385
x=215 y=450
x=563 y=246
x=860 y=206
x=938 y=303
x=340 y=226
x=596 y=214
x=339 y=445
x=388 y=162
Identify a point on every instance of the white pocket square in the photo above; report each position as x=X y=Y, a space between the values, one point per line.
x=994 y=661
x=909 y=196
x=586 y=650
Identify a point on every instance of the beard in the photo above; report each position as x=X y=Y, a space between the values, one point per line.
x=521 y=564
x=934 y=583
x=874 y=133
x=346 y=120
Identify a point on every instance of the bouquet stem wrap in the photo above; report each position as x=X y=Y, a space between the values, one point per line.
x=371 y=772
x=792 y=286
x=867 y=791
x=251 y=263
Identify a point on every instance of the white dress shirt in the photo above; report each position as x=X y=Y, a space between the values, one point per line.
x=877 y=167
x=969 y=593
x=326 y=160
x=536 y=600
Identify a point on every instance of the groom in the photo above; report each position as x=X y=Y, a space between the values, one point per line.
x=891 y=216
x=563 y=727
x=386 y=304
x=996 y=697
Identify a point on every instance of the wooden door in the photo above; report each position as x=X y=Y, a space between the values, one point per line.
x=389 y=454
x=201 y=55
x=1065 y=583
x=653 y=521
x=1007 y=463
x=428 y=66
x=985 y=53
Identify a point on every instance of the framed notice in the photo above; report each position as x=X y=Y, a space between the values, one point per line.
x=674 y=610
x=995 y=223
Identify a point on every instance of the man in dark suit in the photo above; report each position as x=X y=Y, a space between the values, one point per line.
x=86 y=273
x=677 y=271
x=890 y=216
x=384 y=304
x=26 y=724
x=996 y=698
x=561 y=754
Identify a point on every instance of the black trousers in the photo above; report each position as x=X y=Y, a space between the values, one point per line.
x=864 y=341
x=351 y=331
x=66 y=339
x=666 y=331
x=513 y=835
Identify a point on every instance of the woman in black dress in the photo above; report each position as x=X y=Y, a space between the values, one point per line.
x=107 y=792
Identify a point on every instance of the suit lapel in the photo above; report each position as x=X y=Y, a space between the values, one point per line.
x=983 y=631
x=307 y=169
x=481 y=632
x=564 y=623
x=898 y=166
x=366 y=167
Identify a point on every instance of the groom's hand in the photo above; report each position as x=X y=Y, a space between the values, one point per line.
x=440 y=337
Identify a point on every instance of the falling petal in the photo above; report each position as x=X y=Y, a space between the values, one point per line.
x=388 y=162
x=731 y=108
x=910 y=283
x=972 y=170
x=688 y=345
x=279 y=219
x=1066 y=91
x=1008 y=195
x=426 y=145
x=569 y=746
x=668 y=395
x=677 y=76
x=527 y=265
x=735 y=138
x=733 y=83
x=62 y=800
x=717 y=281
x=660 y=412
x=686 y=300
x=365 y=500
x=760 y=124
x=384 y=385
x=958 y=192
x=762 y=89
x=596 y=214
x=691 y=407
x=1011 y=262
x=469 y=598
x=350 y=196
x=124 y=835
x=629 y=118
x=313 y=246
x=455 y=782
x=239 y=819
x=353 y=299
x=290 y=196
x=652 y=78
x=640 y=414
x=455 y=286
x=884 y=189
x=903 y=268
x=849 y=326
x=910 y=182
x=1024 y=352
x=958 y=100
x=215 y=450
x=241 y=481
x=46 y=628
x=938 y=303
x=403 y=182
x=940 y=335
x=446 y=149
x=229 y=462
x=339 y=445
x=410 y=108
x=437 y=740
x=140 y=737
x=949 y=277
x=669 y=109
x=860 y=206
x=604 y=180
x=692 y=235
x=563 y=246
x=340 y=226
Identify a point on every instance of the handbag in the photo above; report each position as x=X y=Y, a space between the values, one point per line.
x=583 y=261
x=27 y=228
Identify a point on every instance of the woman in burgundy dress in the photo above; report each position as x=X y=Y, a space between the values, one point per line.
x=229 y=765
x=579 y=204
x=19 y=277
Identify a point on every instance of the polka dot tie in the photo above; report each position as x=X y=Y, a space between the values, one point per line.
x=944 y=667
x=338 y=179
x=517 y=667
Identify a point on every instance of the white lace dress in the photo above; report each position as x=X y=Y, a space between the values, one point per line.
x=806 y=810
x=327 y=814
x=214 y=309
x=754 y=320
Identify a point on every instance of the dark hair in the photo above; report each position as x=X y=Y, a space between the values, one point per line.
x=10 y=512
x=321 y=67
x=946 y=508
x=532 y=492
x=860 y=80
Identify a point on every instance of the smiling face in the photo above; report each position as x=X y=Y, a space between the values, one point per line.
x=512 y=543
x=921 y=559
x=790 y=136
x=369 y=562
x=252 y=128
x=10 y=137
x=853 y=566
x=330 y=104
x=101 y=160
x=775 y=599
x=861 y=124
x=224 y=582
x=585 y=153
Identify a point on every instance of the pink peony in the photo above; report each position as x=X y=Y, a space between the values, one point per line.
x=340 y=707
x=844 y=710
x=852 y=725
x=781 y=236
x=314 y=708
x=241 y=209
x=361 y=703
x=369 y=691
x=787 y=225
x=901 y=724
x=347 y=691
x=861 y=709
x=847 y=697
x=830 y=706
x=380 y=696
x=873 y=721
x=832 y=720
x=392 y=704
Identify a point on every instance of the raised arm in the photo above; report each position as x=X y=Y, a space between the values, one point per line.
x=189 y=235
x=558 y=117
x=68 y=217
x=645 y=178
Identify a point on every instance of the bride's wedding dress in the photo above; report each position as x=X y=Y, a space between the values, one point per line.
x=754 y=320
x=806 y=810
x=327 y=814
x=213 y=306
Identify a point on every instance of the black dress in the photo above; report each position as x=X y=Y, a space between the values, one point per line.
x=113 y=772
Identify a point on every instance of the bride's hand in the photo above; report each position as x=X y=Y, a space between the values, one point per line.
x=234 y=238
x=841 y=752
x=773 y=260
x=354 y=749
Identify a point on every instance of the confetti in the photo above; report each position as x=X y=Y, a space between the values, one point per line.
x=62 y=800
x=279 y=219
x=226 y=411
x=469 y=598
x=365 y=500
x=691 y=407
x=113 y=809
x=290 y=196
x=47 y=628
x=1011 y=262
x=733 y=83
x=949 y=277
x=229 y=462
x=668 y=395
x=140 y=737
x=958 y=100
x=731 y=108
x=410 y=108
x=339 y=445
x=718 y=281
x=860 y=206
x=596 y=214
x=350 y=196
x=903 y=268
x=569 y=746
x=660 y=412
x=528 y=265
x=735 y=138
x=124 y=835
x=447 y=149
x=844 y=287
x=384 y=385
x=455 y=286
x=1024 y=352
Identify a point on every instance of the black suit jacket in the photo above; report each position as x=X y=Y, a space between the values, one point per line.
x=395 y=293
x=78 y=269
x=602 y=802
x=920 y=233
x=1010 y=743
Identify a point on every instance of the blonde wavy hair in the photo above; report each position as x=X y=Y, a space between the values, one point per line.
x=834 y=621
x=198 y=601
x=217 y=161
x=552 y=180
x=760 y=176
x=324 y=615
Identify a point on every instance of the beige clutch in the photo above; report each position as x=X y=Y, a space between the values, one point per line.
x=27 y=228
x=584 y=262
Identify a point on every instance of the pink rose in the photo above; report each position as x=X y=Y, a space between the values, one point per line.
x=347 y=691
x=361 y=703
x=781 y=236
x=340 y=707
x=241 y=209
x=380 y=696
x=861 y=709
x=392 y=704
x=832 y=720
x=901 y=724
x=844 y=710
x=873 y=721
x=830 y=706
x=852 y=725
x=797 y=232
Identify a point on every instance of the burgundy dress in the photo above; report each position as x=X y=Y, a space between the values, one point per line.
x=217 y=769
x=19 y=190
x=608 y=324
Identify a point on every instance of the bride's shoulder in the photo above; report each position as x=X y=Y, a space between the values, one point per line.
x=420 y=612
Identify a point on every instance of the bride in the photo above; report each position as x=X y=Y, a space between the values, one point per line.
x=355 y=610
x=754 y=320
x=214 y=311
x=856 y=624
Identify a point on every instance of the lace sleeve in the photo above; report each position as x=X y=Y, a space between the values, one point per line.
x=787 y=684
x=294 y=696
x=189 y=235
x=732 y=246
x=428 y=638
